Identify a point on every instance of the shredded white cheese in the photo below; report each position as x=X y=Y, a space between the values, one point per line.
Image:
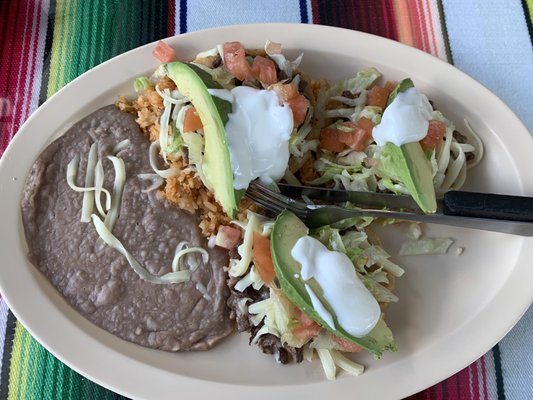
x=157 y=181
x=109 y=239
x=88 y=197
x=155 y=147
x=116 y=198
x=72 y=171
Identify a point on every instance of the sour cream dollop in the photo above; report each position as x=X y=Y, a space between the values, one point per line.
x=258 y=133
x=356 y=309
x=405 y=120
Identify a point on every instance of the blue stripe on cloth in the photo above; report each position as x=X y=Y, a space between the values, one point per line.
x=303 y=12
x=489 y=41
x=516 y=351
x=182 y=16
x=202 y=14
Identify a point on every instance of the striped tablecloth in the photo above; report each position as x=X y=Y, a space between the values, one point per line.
x=47 y=43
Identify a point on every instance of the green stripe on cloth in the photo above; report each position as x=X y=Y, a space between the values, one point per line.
x=82 y=34
x=528 y=12
x=87 y=33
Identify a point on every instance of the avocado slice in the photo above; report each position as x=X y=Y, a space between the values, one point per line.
x=409 y=164
x=213 y=112
x=287 y=229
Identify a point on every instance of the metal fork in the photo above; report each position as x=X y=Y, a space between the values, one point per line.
x=320 y=215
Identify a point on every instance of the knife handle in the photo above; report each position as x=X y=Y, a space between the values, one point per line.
x=488 y=205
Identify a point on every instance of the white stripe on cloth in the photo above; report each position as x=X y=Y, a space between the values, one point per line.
x=516 y=350
x=490 y=42
x=203 y=14
x=492 y=388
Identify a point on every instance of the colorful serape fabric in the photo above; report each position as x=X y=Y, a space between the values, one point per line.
x=47 y=43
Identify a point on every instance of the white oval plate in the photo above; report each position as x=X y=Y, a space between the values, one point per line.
x=452 y=308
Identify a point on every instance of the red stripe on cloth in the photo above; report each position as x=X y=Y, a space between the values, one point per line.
x=387 y=9
x=474 y=383
x=9 y=60
x=18 y=79
x=37 y=7
x=431 y=27
x=171 y=18
x=376 y=17
x=484 y=377
x=416 y=28
x=314 y=11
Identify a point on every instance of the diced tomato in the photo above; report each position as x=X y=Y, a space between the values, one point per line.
x=347 y=345
x=264 y=69
x=345 y=134
x=329 y=140
x=366 y=124
x=436 y=131
x=286 y=92
x=391 y=85
x=164 y=53
x=378 y=96
x=192 y=121
x=299 y=106
x=306 y=327
x=263 y=258
x=227 y=237
x=352 y=136
x=235 y=61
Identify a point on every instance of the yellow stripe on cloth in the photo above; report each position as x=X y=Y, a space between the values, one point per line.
x=18 y=370
x=62 y=40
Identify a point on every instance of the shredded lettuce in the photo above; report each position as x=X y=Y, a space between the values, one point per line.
x=141 y=83
x=373 y=113
x=426 y=246
x=278 y=315
x=361 y=81
x=329 y=237
x=273 y=50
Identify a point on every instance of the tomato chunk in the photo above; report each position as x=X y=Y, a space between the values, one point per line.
x=227 y=237
x=286 y=91
x=346 y=134
x=366 y=124
x=436 y=131
x=192 y=121
x=378 y=96
x=391 y=85
x=263 y=258
x=353 y=136
x=299 y=106
x=347 y=345
x=264 y=69
x=329 y=140
x=306 y=328
x=235 y=61
x=164 y=53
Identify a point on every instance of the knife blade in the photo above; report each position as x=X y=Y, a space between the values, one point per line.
x=358 y=198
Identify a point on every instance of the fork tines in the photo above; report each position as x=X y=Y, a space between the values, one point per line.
x=273 y=201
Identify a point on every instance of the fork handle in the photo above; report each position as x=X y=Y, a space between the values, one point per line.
x=488 y=205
